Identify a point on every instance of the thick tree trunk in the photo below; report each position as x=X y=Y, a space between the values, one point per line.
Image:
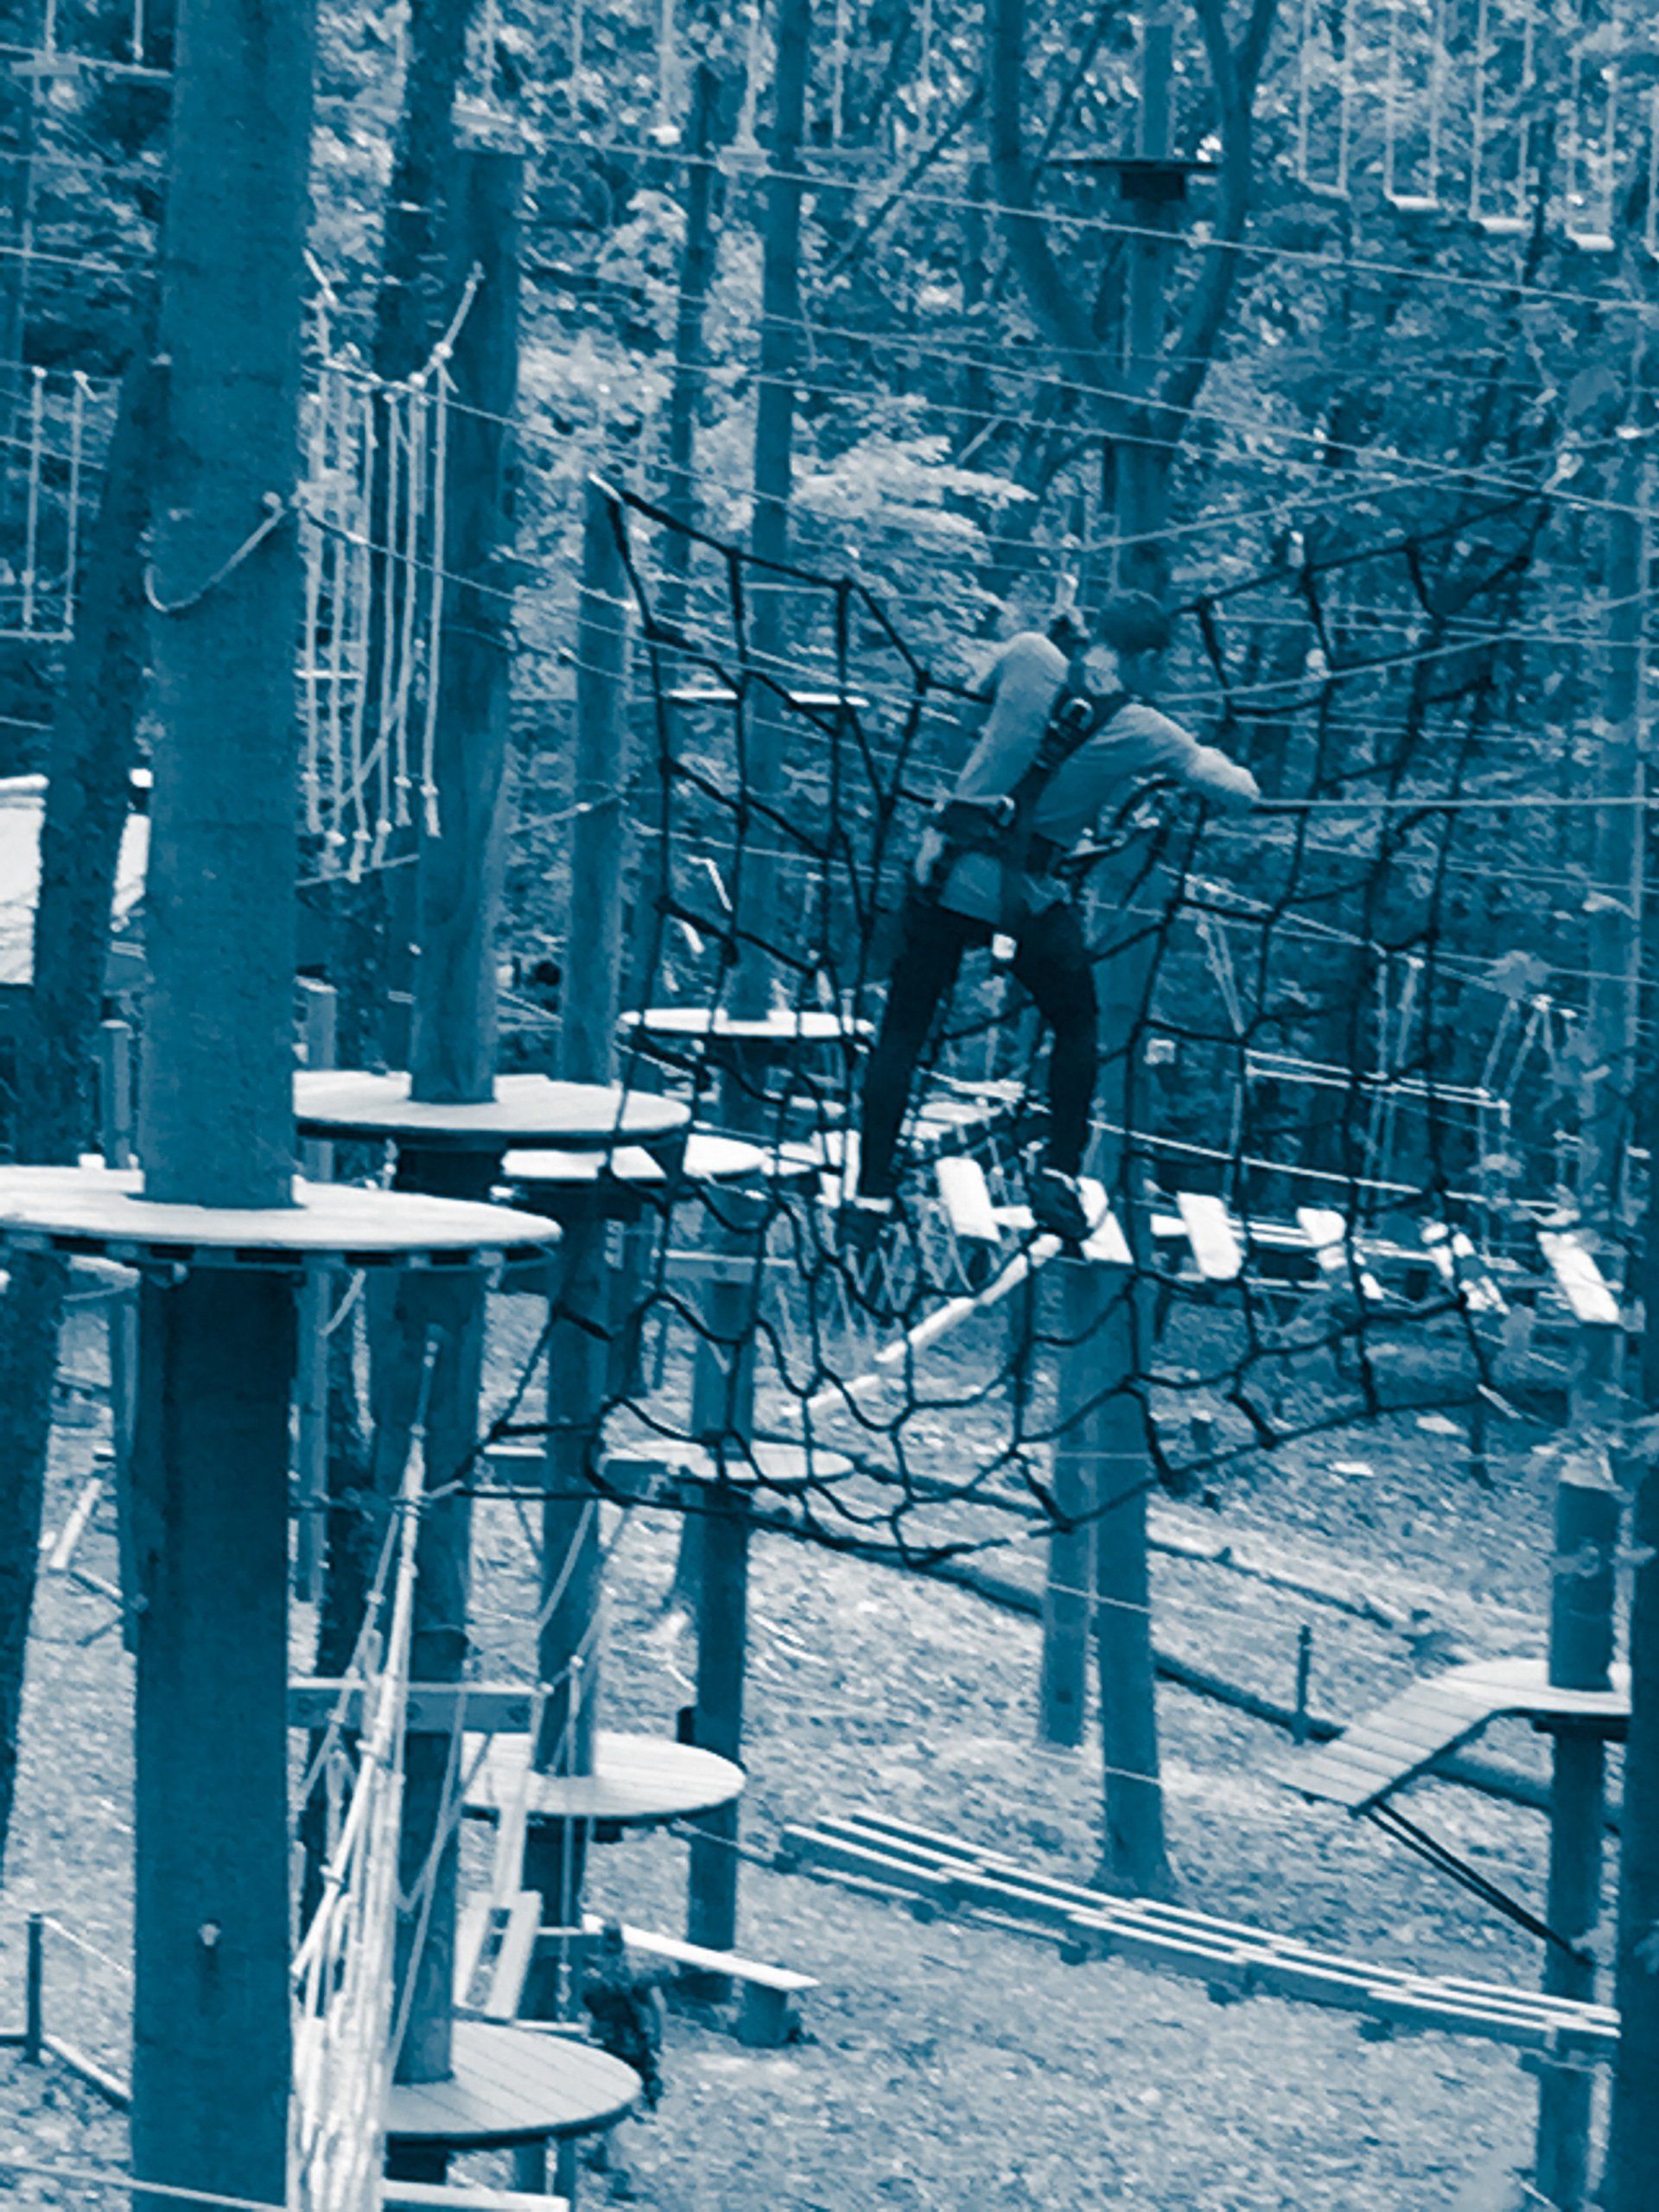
x=1630 y=2182
x=88 y=792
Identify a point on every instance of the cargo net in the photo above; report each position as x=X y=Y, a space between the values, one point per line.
x=1335 y=1166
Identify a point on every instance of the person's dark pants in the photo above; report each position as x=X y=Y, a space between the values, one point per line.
x=1050 y=961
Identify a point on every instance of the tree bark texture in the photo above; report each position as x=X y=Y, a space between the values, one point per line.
x=88 y=794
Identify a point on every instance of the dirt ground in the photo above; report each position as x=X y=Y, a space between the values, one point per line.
x=947 y=2065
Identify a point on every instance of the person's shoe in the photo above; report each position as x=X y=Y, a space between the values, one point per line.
x=1056 y=1203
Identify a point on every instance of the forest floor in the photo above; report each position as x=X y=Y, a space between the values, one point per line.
x=948 y=2065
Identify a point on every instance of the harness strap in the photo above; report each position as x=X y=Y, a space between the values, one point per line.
x=1003 y=826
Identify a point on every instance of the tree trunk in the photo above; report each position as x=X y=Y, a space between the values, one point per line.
x=1630 y=2182
x=88 y=793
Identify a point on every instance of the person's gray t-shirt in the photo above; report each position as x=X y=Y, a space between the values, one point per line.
x=1136 y=742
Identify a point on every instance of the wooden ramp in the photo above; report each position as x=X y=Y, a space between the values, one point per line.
x=947 y=1873
x=1404 y=1738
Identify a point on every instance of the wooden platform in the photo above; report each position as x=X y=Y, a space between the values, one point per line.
x=508 y=2086
x=462 y=2196
x=638 y=1782
x=1402 y=1740
x=350 y=1103
x=104 y=1211
x=949 y=1874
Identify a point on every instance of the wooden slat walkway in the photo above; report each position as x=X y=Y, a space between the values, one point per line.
x=872 y=1852
x=1390 y=1747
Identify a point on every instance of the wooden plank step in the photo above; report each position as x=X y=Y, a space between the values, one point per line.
x=1338 y=1253
x=1578 y=1278
x=512 y=1961
x=1460 y=1267
x=472 y=1933
x=1210 y=1231
x=786 y=1979
x=966 y=1196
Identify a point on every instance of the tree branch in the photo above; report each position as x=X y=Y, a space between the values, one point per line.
x=1047 y=288
x=1234 y=79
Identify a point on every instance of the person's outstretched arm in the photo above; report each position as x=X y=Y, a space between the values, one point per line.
x=1223 y=782
x=1151 y=744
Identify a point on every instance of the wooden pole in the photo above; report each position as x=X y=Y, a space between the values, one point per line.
x=1067 y=1596
x=1132 y=1856
x=1630 y=2182
x=1614 y=921
x=452 y=1055
x=1614 y=924
x=577 y=1357
x=1631 y=2175
x=774 y=441
x=592 y=991
x=724 y=1367
x=697 y=276
x=680 y=499
x=1580 y=1654
x=34 y=1991
x=210 y=2048
x=1304 y=1673
x=1142 y=478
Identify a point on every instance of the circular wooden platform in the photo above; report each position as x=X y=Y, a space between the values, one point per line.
x=638 y=1782
x=104 y=1211
x=783 y=1025
x=510 y=2085
x=708 y=1160
x=348 y=1103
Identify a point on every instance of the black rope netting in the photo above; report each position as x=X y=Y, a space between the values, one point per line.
x=1306 y=1045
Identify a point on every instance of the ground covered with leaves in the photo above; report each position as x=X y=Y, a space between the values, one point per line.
x=947 y=2064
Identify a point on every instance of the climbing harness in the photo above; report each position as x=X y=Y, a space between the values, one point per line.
x=1001 y=826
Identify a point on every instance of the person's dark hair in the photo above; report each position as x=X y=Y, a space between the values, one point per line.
x=1133 y=622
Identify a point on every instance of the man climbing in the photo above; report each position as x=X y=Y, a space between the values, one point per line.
x=1066 y=733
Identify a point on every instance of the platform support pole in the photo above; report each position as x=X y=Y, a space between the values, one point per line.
x=579 y=1353
x=453 y=1049
x=211 y=2022
x=1116 y=1350
x=34 y=1991
x=1067 y=1592
x=1580 y=1654
x=715 y=1551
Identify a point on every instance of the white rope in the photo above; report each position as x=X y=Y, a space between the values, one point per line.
x=80 y=390
x=343 y=1967
x=312 y=549
x=357 y=577
x=442 y=386
x=32 y=521
x=375 y=470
